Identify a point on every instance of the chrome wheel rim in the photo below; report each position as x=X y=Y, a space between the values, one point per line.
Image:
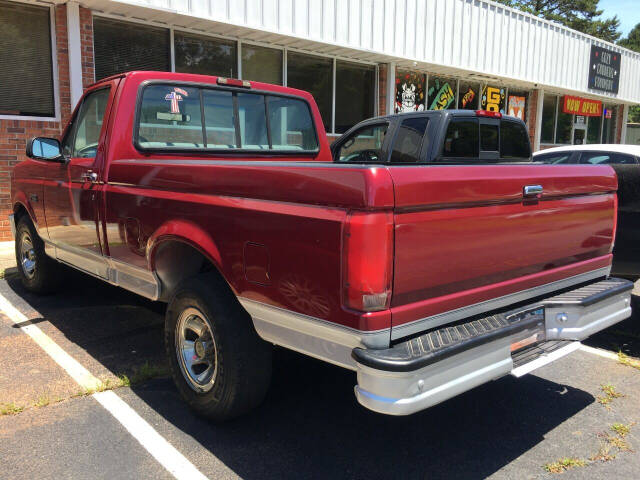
x=27 y=255
x=196 y=350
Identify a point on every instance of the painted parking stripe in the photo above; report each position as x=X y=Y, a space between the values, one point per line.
x=545 y=359
x=600 y=352
x=170 y=458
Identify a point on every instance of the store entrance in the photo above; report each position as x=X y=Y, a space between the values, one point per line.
x=579 y=131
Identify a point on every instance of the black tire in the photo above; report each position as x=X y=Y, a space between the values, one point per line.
x=44 y=274
x=242 y=360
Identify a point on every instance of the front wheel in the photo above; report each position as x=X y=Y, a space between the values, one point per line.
x=39 y=273
x=220 y=365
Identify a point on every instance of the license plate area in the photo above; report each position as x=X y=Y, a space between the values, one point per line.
x=536 y=332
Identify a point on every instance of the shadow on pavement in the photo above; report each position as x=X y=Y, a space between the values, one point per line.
x=310 y=424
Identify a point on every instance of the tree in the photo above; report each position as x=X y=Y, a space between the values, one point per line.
x=581 y=15
x=632 y=42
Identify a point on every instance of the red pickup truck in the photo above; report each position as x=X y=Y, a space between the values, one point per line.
x=423 y=251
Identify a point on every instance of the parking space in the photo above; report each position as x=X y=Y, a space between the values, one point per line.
x=310 y=425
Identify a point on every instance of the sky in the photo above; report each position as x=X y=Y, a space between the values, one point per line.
x=628 y=11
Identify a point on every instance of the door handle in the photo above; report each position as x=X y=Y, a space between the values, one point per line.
x=89 y=176
x=532 y=191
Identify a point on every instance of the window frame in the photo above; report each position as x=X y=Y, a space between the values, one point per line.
x=54 y=72
x=425 y=142
x=71 y=130
x=335 y=150
x=484 y=157
x=221 y=151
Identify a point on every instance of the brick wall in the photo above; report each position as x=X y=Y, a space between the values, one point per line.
x=86 y=46
x=14 y=134
x=383 y=85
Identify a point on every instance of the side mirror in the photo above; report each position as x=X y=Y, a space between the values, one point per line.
x=43 y=148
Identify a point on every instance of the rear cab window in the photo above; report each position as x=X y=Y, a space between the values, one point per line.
x=202 y=118
x=484 y=140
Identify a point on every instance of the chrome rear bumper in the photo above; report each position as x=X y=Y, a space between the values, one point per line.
x=426 y=370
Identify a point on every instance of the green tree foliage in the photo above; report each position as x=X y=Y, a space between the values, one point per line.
x=632 y=42
x=581 y=15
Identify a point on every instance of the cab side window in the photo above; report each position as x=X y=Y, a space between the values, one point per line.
x=363 y=146
x=408 y=140
x=604 y=158
x=81 y=140
x=554 y=158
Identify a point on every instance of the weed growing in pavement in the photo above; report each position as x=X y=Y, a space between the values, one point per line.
x=10 y=409
x=621 y=429
x=625 y=359
x=43 y=401
x=610 y=393
x=564 y=464
x=145 y=372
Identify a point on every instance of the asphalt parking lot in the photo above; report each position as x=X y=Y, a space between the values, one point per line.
x=310 y=425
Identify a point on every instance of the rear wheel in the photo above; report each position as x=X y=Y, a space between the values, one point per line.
x=220 y=365
x=39 y=273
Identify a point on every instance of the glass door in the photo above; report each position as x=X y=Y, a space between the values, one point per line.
x=579 y=136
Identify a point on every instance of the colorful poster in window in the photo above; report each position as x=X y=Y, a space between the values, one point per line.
x=468 y=98
x=493 y=99
x=441 y=94
x=409 y=92
x=516 y=106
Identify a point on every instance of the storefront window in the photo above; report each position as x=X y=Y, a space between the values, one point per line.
x=205 y=55
x=261 y=64
x=315 y=75
x=410 y=91
x=609 y=127
x=564 y=127
x=593 y=129
x=355 y=94
x=549 y=106
x=493 y=99
x=122 y=46
x=468 y=96
x=441 y=93
x=26 y=73
x=517 y=104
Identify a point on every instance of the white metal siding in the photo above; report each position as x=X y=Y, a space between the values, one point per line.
x=471 y=35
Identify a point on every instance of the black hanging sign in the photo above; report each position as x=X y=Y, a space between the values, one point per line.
x=604 y=70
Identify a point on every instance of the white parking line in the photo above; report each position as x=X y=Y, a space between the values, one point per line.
x=600 y=352
x=170 y=458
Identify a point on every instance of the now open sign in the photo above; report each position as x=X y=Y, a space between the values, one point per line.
x=582 y=106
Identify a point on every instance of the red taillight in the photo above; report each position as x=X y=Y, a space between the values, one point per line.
x=234 y=82
x=368 y=261
x=487 y=113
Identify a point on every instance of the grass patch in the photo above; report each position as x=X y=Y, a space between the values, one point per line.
x=145 y=372
x=621 y=429
x=603 y=455
x=610 y=393
x=618 y=443
x=625 y=359
x=10 y=409
x=140 y=374
x=564 y=464
x=43 y=401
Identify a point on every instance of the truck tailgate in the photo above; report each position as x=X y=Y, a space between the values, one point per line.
x=468 y=241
